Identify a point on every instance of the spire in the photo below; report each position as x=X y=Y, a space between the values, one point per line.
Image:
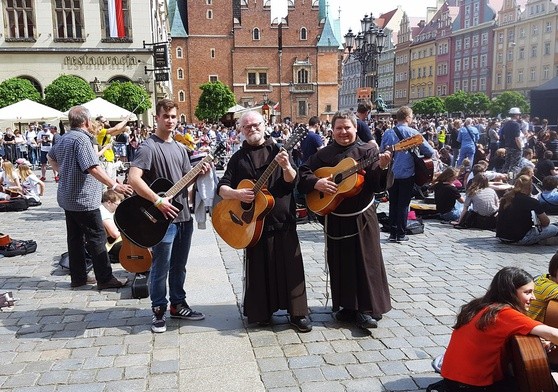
x=176 y=9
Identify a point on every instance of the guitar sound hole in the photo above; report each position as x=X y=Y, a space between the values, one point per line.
x=338 y=178
x=246 y=206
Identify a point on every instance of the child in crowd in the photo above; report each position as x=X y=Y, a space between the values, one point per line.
x=9 y=177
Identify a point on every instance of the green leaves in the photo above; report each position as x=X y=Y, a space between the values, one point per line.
x=429 y=106
x=216 y=98
x=129 y=96
x=17 y=89
x=67 y=91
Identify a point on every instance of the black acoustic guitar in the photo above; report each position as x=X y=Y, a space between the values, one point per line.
x=139 y=220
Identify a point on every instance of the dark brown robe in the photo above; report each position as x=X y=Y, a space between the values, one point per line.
x=354 y=256
x=274 y=267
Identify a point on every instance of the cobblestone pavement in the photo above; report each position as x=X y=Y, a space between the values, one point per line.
x=62 y=339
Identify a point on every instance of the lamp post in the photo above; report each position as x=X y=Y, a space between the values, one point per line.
x=366 y=48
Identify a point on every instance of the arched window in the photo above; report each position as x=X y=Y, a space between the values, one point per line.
x=34 y=82
x=256 y=34
x=179 y=53
x=181 y=96
x=180 y=73
x=121 y=79
x=303 y=34
x=302 y=76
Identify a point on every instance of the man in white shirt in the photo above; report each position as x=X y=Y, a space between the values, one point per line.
x=44 y=138
x=31 y=140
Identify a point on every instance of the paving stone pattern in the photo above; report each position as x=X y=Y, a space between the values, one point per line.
x=62 y=339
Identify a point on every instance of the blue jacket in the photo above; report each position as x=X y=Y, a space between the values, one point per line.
x=403 y=163
x=464 y=137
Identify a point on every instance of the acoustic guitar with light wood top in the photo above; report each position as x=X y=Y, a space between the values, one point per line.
x=348 y=179
x=134 y=258
x=240 y=224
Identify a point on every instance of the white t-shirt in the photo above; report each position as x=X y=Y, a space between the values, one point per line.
x=45 y=138
x=31 y=187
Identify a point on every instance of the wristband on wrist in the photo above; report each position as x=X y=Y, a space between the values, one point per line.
x=114 y=186
x=158 y=202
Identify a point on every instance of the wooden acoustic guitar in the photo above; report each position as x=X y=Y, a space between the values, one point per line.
x=240 y=224
x=348 y=179
x=530 y=364
x=134 y=258
x=139 y=220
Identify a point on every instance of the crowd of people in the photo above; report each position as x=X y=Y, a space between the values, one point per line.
x=487 y=174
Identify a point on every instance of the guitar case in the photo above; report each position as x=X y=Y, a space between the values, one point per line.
x=140 y=285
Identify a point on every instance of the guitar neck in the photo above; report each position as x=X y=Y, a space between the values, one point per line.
x=359 y=166
x=188 y=178
x=262 y=181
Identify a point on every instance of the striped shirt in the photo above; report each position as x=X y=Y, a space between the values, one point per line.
x=545 y=290
x=485 y=202
x=77 y=190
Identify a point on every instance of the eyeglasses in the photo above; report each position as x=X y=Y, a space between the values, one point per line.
x=250 y=126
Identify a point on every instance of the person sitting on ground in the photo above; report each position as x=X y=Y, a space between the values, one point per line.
x=464 y=170
x=546 y=289
x=109 y=202
x=481 y=167
x=33 y=188
x=445 y=155
x=497 y=161
x=526 y=160
x=474 y=359
x=449 y=202
x=9 y=177
x=515 y=221
x=549 y=195
x=480 y=201
x=545 y=166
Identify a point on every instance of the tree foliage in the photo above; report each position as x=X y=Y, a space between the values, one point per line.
x=17 y=89
x=502 y=103
x=67 y=91
x=479 y=104
x=129 y=96
x=429 y=106
x=216 y=98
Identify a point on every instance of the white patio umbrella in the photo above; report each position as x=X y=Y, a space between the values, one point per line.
x=100 y=107
x=28 y=111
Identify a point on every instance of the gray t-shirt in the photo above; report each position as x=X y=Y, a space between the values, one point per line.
x=169 y=160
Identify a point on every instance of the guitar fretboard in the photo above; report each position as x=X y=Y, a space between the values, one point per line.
x=188 y=178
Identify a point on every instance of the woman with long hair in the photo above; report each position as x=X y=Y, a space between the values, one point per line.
x=474 y=359
x=9 y=177
x=521 y=218
x=33 y=188
x=446 y=195
x=481 y=205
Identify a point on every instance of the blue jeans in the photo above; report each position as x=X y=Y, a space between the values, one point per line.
x=533 y=236
x=169 y=261
x=454 y=214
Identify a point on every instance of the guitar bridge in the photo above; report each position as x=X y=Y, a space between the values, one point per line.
x=148 y=215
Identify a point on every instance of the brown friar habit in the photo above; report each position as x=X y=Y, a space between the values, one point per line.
x=354 y=256
x=274 y=268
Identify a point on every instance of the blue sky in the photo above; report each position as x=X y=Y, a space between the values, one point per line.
x=354 y=10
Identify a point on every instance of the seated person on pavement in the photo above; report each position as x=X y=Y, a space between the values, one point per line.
x=515 y=216
x=546 y=289
x=545 y=166
x=109 y=202
x=446 y=196
x=481 y=202
x=549 y=195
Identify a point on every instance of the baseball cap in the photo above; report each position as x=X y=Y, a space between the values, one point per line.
x=514 y=111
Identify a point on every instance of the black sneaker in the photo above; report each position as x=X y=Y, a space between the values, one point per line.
x=183 y=311
x=392 y=238
x=159 y=323
x=402 y=238
x=364 y=320
x=301 y=323
x=345 y=315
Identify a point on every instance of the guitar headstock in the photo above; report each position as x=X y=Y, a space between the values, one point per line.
x=218 y=149
x=408 y=143
x=297 y=135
